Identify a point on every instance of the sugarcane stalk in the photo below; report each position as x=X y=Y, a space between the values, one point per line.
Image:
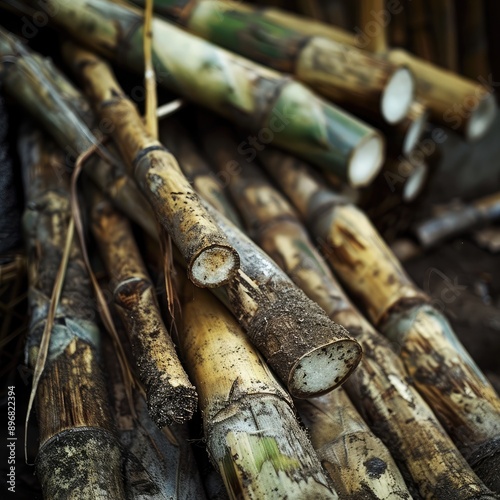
x=46 y=94
x=156 y=464
x=367 y=9
x=175 y=137
x=171 y=397
x=210 y=259
x=275 y=226
x=458 y=219
x=354 y=79
x=357 y=461
x=278 y=108
x=311 y=354
x=79 y=456
x=465 y=105
x=252 y=435
x=439 y=366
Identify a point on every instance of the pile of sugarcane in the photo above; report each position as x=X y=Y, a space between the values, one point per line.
x=223 y=256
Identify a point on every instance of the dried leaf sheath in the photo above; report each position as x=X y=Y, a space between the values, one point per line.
x=251 y=432
x=440 y=368
x=63 y=111
x=79 y=456
x=250 y=95
x=211 y=260
x=171 y=397
x=379 y=386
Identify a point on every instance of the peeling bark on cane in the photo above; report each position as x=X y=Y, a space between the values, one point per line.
x=79 y=456
x=440 y=368
x=210 y=259
x=171 y=397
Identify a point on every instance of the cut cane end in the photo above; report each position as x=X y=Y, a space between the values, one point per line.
x=398 y=96
x=414 y=133
x=481 y=118
x=415 y=183
x=324 y=368
x=366 y=161
x=214 y=266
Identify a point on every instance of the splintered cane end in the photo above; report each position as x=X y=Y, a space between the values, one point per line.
x=214 y=266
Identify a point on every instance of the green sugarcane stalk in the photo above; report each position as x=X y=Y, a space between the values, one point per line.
x=44 y=92
x=157 y=464
x=465 y=105
x=275 y=107
x=379 y=386
x=355 y=79
x=441 y=369
x=79 y=455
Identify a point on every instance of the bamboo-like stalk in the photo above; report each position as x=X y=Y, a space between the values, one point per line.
x=171 y=397
x=274 y=224
x=156 y=464
x=464 y=105
x=367 y=9
x=46 y=94
x=79 y=456
x=210 y=259
x=458 y=219
x=210 y=187
x=278 y=108
x=352 y=78
x=252 y=435
x=439 y=366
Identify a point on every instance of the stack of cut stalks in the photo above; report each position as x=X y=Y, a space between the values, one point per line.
x=202 y=258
